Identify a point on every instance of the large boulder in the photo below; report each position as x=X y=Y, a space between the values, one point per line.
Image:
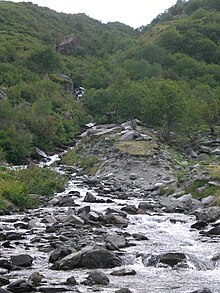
x=68 y=46
x=91 y=259
x=100 y=258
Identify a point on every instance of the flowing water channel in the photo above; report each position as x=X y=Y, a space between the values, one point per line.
x=166 y=232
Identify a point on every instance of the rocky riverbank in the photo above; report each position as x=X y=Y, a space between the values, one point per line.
x=130 y=226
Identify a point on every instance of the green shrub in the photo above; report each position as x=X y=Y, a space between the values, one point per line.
x=42 y=181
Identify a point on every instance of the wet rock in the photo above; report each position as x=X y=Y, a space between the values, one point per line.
x=13 y=236
x=214 y=231
x=75 y=220
x=22 y=260
x=21 y=225
x=123 y=290
x=144 y=206
x=89 y=197
x=96 y=277
x=100 y=258
x=116 y=241
x=71 y=281
x=20 y=286
x=199 y=225
x=130 y=209
x=2 y=237
x=116 y=220
x=139 y=237
x=66 y=201
x=53 y=289
x=59 y=253
x=5 y=264
x=69 y=262
x=172 y=258
x=49 y=219
x=4 y=290
x=124 y=272
x=35 y=279
x=204 y=290
x=4 y=281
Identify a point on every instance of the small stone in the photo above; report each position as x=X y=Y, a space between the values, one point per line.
x=124 y=272
x=133 y=176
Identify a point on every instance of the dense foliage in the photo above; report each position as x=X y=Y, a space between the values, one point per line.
x=167 y=74
x=23 y=187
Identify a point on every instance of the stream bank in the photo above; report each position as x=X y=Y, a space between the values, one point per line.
x=129 y=225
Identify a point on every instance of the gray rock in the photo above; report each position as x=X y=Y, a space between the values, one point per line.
x=214 y=183
x=123 y=290
x=116 y=220
x=75 y=220
x=172 y=258
x=129 y=135
x=208 y=200
x=97 y=277
x=35 y=279
x=13 y=236
x=20 y=286
x=100 y=258
x=133 y=176
x=71 y=281
x=22 y=260
x=124 y=272
x=215 y=152
x=69 y=262
x=214 y=231
x=4 y=281
x=68 y=46
x=89 y=197
x=59 y=253
x=116 y=240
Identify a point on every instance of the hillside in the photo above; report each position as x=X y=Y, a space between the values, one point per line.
x=166 y=74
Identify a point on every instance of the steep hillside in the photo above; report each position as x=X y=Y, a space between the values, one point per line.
x=167 y=75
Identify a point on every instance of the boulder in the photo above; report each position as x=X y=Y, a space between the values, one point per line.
x=59 y=253
x=69 y=262
x=75 y=220
x=116 y=240
x=89 y=197
x=20 y=286
x=214 y=231
x=172 y=258
x=22 y=260
x=68 y=46
x=100 y=258
x=116 y=220
x=96 y=277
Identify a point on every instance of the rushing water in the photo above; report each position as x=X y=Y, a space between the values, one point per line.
x=166 y=233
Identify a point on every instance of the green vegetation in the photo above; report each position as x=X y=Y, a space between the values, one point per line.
x=137 y=148
x=166 y=74
x=22 y=187
x=89 y=164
